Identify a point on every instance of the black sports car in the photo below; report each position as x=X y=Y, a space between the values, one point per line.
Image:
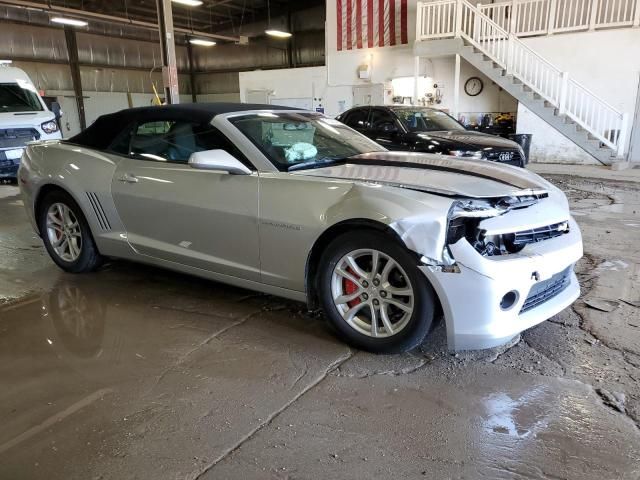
x=422 y=129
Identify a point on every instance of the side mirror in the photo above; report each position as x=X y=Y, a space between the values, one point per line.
x=218 y=160
x=388 y=127
x=56 y=109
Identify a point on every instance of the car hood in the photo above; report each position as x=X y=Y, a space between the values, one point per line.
x=467 y=138
x=436 y=174
x=24 y=119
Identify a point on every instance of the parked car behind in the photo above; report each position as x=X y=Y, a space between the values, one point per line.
x=422 y=129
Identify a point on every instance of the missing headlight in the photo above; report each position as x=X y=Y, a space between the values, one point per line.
x=506 y=243
x=464 y=217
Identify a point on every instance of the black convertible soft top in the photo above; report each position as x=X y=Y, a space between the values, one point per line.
x=102 y=132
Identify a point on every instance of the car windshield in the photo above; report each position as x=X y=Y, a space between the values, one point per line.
x=426 y=120
x=18 y=98
x=294 y=141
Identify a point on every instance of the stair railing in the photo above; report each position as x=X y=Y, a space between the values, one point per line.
x=545 y=17
x=459 y=18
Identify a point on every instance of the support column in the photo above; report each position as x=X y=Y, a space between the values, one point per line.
x=74 y=65
x=416 y=74
x=168 y=51
x=290 y=42
x=192 y=75
x=456 y=88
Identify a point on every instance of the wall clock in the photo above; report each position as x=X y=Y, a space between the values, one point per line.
x=473 y=86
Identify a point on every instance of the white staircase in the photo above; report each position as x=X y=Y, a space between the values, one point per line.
x=569 y=107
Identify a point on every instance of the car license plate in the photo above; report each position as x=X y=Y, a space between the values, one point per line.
x=14 y=153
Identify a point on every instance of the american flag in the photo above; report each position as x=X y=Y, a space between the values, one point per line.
x=371 y=23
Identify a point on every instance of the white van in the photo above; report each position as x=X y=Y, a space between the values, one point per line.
x=24 y=117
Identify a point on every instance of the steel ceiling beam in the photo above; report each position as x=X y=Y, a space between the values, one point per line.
x=85 y=15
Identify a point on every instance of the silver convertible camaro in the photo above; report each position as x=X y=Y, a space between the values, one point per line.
x=295 y=204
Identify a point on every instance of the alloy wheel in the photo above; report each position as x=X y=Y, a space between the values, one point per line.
x=63 y=232
x=372 y=293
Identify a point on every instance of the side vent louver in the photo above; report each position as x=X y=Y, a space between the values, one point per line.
x=103 y=221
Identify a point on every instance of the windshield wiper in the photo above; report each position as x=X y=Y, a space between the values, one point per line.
x=323 y=162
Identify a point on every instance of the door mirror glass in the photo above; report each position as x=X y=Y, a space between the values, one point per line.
x=218 y=160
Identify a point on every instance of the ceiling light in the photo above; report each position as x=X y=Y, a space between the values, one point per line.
x=69 y=21
x=277 y=33
x=201 y=42
x=188 y=3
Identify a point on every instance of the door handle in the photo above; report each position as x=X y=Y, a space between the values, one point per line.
x=128 y=178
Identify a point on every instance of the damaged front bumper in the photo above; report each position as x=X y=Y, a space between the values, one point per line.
x=489 y=300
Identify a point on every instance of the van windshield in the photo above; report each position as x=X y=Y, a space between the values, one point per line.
x=15 y=98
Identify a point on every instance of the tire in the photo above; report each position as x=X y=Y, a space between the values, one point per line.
x=408 y=317
x=81 y=254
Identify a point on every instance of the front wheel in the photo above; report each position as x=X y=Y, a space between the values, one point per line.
x=66 y=234
x=373 y=293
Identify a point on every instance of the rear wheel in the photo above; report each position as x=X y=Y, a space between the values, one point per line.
x=66 y=234
x=373 y=293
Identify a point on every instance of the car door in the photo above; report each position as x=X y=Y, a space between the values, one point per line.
x=201 y=218
x=386 y=130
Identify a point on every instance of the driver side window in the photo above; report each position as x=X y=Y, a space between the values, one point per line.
x=164 y=141
x=381 y=119
x=172 y=141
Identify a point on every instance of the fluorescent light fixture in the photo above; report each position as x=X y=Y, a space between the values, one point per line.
x=277 y=33
x=188 y=3
x=6 y=62
x=69 y=21
x=201 y=42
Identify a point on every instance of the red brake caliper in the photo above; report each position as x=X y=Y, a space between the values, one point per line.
x=350 y=288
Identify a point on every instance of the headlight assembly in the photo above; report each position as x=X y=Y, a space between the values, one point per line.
x=49 y=127
x=466 y=154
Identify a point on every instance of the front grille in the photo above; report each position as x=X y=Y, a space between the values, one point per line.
x=547 y=289
x=17 y=137
x=8 y=169
x=539 y=234
x=508 y=157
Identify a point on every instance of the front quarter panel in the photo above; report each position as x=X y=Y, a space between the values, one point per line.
x=295 y=210
x=83 y=173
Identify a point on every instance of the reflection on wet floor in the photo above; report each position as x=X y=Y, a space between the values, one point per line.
x=132 y=344
x=504 y=414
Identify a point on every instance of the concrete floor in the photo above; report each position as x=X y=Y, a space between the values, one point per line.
x=134 y=372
